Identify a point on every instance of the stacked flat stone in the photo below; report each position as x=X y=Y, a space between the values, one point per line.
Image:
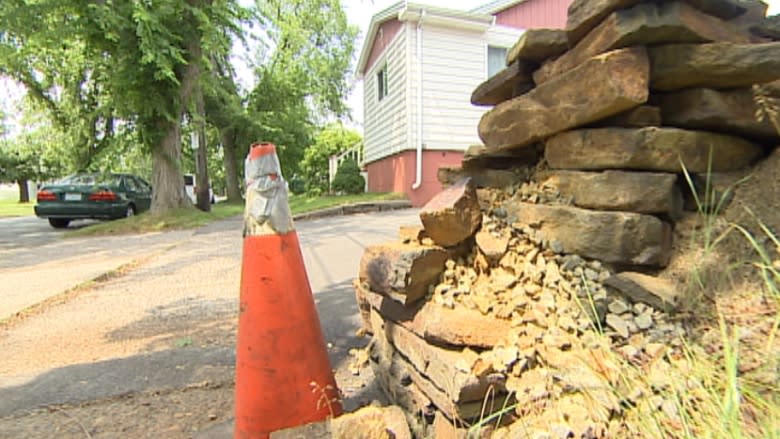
x=510 y=291
x=624 y=100
x=474 y=308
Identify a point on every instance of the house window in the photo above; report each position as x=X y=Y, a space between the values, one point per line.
x=381 y=83
x=496 y=59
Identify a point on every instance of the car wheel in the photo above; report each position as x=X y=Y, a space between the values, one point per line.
x=59 y=223
x=130 y=211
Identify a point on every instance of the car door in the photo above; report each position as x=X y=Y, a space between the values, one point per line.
x=143 y=194
x=131 y=191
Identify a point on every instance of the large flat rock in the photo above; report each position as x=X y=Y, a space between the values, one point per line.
x=538 y=45
x=601 y=87
x=393 y=378
x=726 y=111
x=454 y=327
x=372 y=423
x=614 y=237
x=512 y=81
x=658 y=293
x=402 y=271
x=639 y=117
x=768 y=28
x=649 y=149
x=453 y=215
x=584 y=15
x=479 y=157
x=481 y=178
x=415 y=389
x=714 y=65
x=448 y=369
x=640 y=192
x=644 y=24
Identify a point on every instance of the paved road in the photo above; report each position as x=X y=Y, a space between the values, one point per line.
x=129 y=324
x=31 y=231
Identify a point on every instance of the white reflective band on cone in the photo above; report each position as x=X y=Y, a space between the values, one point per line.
x=267 y=210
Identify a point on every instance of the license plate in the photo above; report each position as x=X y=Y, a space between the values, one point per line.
x=72 y=197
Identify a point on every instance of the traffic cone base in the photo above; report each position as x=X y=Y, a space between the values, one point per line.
x=283 y=374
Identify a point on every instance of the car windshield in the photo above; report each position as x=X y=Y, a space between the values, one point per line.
x=91 y=179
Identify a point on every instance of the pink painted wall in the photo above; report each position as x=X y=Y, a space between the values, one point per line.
x=396 y=174
x=533 y=14
x=384 y=36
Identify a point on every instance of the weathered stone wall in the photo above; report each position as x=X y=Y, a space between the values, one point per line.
x=534 y=264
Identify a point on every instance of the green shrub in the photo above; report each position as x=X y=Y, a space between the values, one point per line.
x=348 y=179
x=297 y=185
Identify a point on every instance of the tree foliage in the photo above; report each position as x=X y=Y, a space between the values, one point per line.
x=331 y=140
x=98 y=66
x=116 y=79
x=302 y=77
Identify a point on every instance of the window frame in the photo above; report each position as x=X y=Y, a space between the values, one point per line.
x=488 y=47
x=382 y=81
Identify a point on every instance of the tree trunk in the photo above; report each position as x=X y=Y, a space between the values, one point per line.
x=24 y=191
x=202 y=175
x=231 y=165
x=167 y=179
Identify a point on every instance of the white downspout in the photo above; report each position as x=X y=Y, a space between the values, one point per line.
x=418 y=170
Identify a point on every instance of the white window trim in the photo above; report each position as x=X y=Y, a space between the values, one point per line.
x=488 y=45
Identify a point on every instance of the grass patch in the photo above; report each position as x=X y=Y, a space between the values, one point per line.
x=12 y=208
x=173 y=220
x=307 y=203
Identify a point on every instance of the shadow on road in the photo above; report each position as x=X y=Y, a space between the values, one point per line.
x=170 y=369
x=203 y=322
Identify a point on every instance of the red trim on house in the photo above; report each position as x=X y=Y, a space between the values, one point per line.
x=533 y=14
x=397 y=174
x=384 y=35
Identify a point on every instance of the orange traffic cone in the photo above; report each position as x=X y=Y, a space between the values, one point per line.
x=283 y=375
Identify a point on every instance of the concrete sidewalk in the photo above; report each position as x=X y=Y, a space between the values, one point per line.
x=32 y=275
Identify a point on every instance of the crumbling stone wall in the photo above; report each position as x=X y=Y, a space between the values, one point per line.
x=546 y=237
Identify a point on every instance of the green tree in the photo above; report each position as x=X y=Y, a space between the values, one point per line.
x=302 y=77
x=301 y=68
x=25 y=158
x=130 y=64
x=226 y=111
x=331 y=140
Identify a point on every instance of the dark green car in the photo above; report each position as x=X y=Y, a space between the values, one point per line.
x=93 y=196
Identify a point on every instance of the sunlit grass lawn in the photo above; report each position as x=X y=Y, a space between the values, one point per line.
x=306 y=203
x=9 y=208
x=172 y=220
x=192 y=218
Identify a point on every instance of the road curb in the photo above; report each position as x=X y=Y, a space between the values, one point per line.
x=351 y=209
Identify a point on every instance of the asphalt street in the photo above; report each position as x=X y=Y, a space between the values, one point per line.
x=30 y=231
x=189 y=274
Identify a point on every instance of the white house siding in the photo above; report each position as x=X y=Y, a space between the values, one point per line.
x=385 y=124
x=454 y=64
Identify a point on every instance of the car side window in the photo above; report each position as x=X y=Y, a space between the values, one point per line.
x=130 y=184
x=146 y=187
